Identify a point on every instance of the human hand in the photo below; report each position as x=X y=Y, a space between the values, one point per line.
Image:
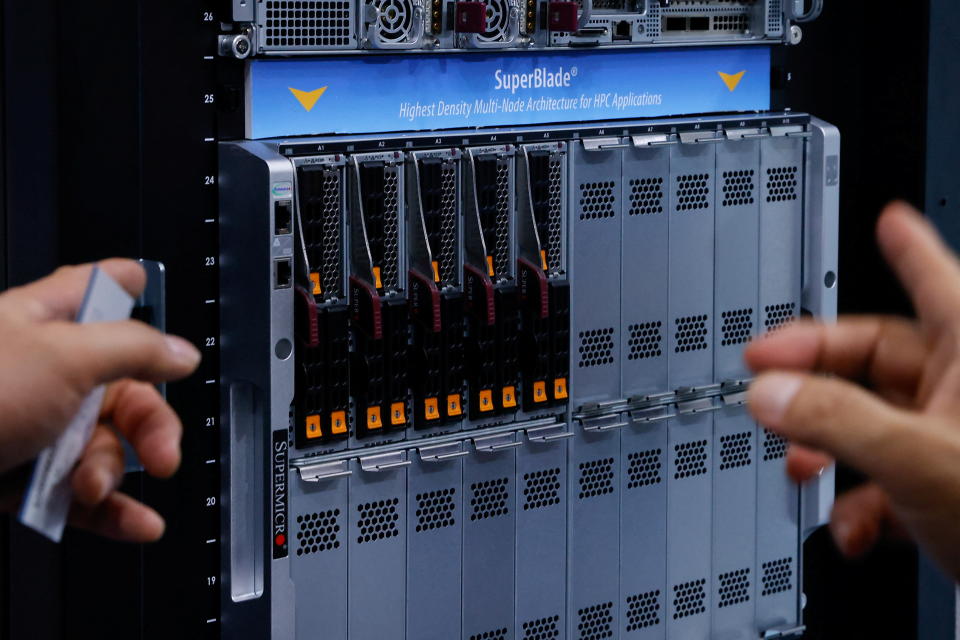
x=49 y=364
x=889 y=405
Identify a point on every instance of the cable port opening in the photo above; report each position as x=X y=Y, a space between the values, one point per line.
x=282 y=273
x=622 y=30
x=283 y=217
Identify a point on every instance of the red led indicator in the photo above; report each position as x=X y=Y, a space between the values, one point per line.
x=280 y=540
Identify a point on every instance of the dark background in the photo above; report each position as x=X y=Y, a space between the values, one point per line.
x=105 y=143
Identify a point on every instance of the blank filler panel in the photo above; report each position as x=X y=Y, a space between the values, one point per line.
x=781 y=222
x=541 y=507
x=435 y=513
x=643 y=459
x=320 y=530
x=377 y=527
x=489 y=545
x=690 y=355
x=736 y=281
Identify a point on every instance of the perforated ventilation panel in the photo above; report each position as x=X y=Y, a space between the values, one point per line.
x=596 y=348
x=774 y=17
x=645 y=341
x=542 y=629
x=318 y=532
x=693 y=192
x=737 y=327
x=646 y=196
x=320 y=214
x=435 y=510
x=689 y=599
x=489 y=499
x=495 y=634
x=501 y=253
x=690 y=460
x=596 y=622
x=643 y=610
x=492 y=179
x=554 y=240
x=307 y=24
x=782 y=184
x=738 y=188
x=596 y=478
x=438 y=195
x=691 y=334
x=390 y=268
x=733 y=588
x=377 y=520
x=643 y=468
x=774 y=446
x=541 y=489
x=777 y=576
x=777 y=315
x=730 y=24
x=735 y=450
x=597 y=200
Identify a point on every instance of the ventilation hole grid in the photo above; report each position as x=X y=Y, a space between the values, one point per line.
x=596 y=347
x=308 y=23
x=496 y=634
x=737 y=326
x=378 y=520
x=734 y=588
x=596 y=478
x=781 y=184
x=542 y=629
x=435 y=510
x=643 y=610
x=395 y=20
x=330 y=272
x=501 y=254
x=317 y=532
x=597 y=200
x=777 y=576
x=646 y=196
x=691 y=459
x=554 y=227
x=735 y=450
x=447 y=255
x=774 y=446
x=777 y=315
x=738 y=188
x=498 y=20
x=645 y=341
x=692 y=192
x=391 y=230
x=689 y=599
x=596 y=622
x=775 y=18
x=644 y=468
x=489 y=499
x=691 y=334
x=541 y=489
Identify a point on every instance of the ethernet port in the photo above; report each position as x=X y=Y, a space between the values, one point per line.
x=621 y=30
x=283 y=273
x=283 y=217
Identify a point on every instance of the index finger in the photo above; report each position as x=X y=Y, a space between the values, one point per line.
x=926 y=267
x=59 y=295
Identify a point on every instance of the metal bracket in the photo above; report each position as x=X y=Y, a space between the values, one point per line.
x=496 y=443
x=733 y=393
x=324 y=471
x=442 y=452
x=550 y=433
x=654 y=140
x=385 y=461
x=788 y=130
x=650 y=415
x=697 y=399
x=601 y=424
x=783 y=634
x=602 y=144
x=747 y=134
x=700 y=137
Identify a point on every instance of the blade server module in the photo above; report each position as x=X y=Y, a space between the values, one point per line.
x=496 y=390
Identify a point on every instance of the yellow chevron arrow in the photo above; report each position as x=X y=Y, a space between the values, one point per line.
x=732 y=80
x=307 y=99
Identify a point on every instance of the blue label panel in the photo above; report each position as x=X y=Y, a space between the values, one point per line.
x=374 y=94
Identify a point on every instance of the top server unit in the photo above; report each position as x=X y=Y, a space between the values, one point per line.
x=311 y=27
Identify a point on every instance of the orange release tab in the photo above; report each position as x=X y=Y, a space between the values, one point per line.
x=431 y=408
x=373 y=418
x=509 y=397
x=398 y=414
x=486 y=400
x=539 y=391
x=454 y=406
x=560 y=389
x=313 y=427
x=338 y=422
x=315 y=279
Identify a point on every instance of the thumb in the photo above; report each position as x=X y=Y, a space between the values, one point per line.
x=836 y=417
